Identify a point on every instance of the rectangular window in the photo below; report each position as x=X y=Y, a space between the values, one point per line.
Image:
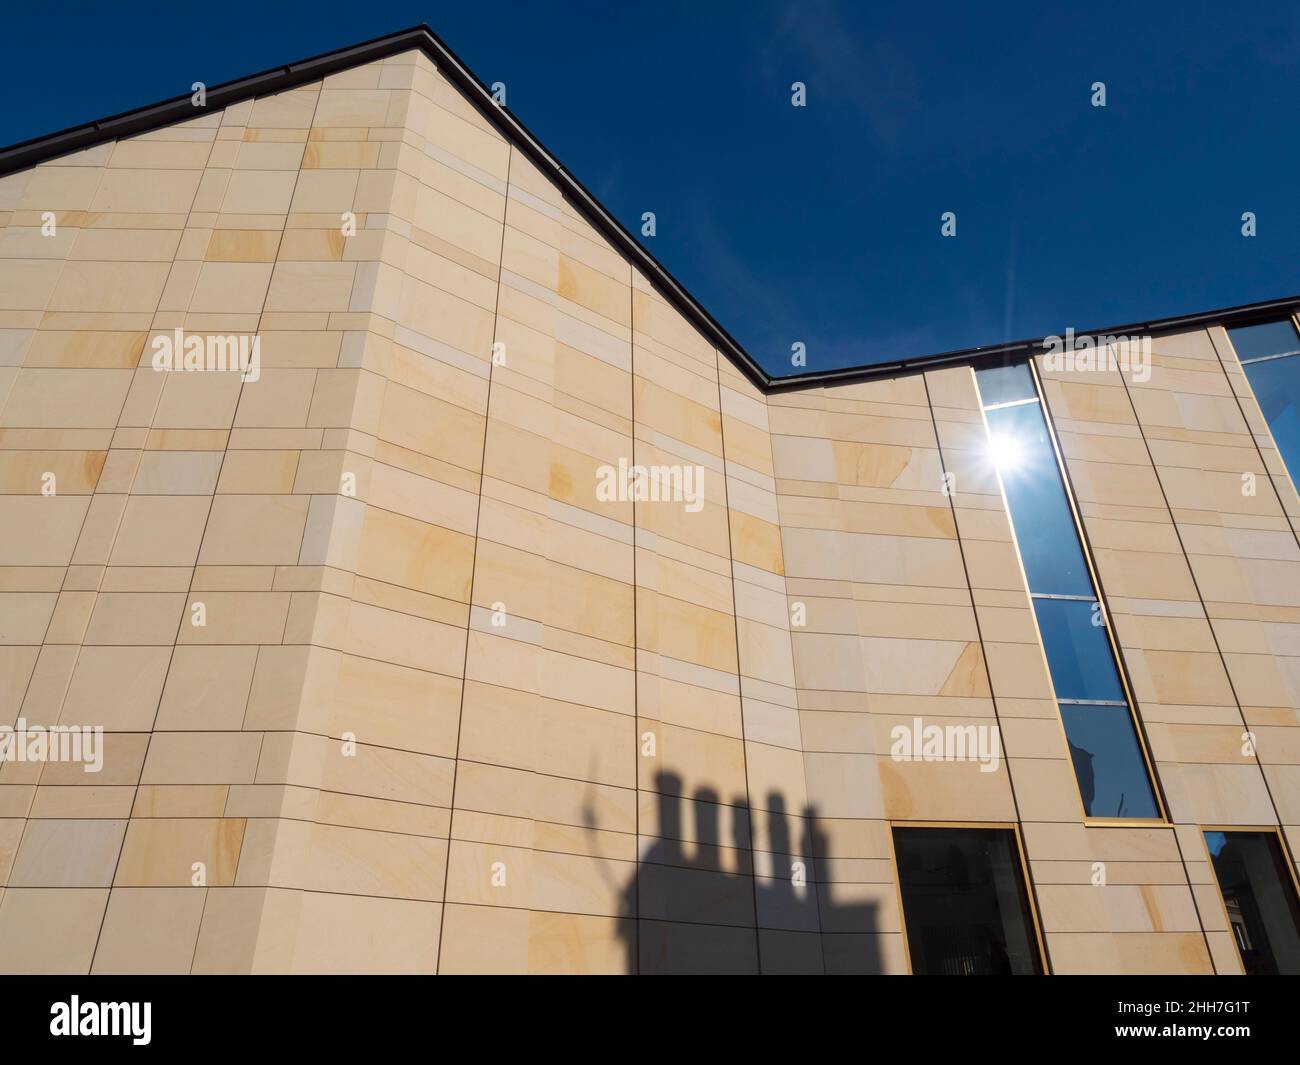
x=1270 y=355
x=1104 y=746
x=1260 y=898
x=965 y=904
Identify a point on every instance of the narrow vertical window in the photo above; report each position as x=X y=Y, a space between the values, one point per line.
x=965 y=903
x=1260 y=898
x=1270 y=355
x=1109 y=764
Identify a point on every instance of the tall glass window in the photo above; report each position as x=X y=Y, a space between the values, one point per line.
x=964 y=902
x=1270 y=355
x=1099 y=727
x=1260 y=898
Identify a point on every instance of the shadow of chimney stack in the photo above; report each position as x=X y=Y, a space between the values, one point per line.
x=757 y=904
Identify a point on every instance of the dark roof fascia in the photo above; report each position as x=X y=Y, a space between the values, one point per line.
x=1228 y=317
x=280 y=79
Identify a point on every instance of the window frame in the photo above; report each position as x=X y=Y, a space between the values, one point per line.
x=1288 y=859
x=1292 y=475
x=1085 y=547
x=1031 y=891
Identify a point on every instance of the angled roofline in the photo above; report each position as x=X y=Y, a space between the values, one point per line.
x=28 y=153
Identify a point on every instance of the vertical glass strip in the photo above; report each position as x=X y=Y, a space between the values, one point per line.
x=1270 y=355
x=1113 y=778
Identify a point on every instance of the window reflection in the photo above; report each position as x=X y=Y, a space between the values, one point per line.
x=1040 y=511
x=1260 y=899
x=964 y=902
x=1077 y=651
x=1114 y=781
x=1107 y=761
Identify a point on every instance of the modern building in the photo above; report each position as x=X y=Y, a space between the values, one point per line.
x=454 y=594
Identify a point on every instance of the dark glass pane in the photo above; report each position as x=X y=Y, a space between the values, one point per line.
x=1260 y=899
x=1005 y=384
x=1078 y=652
x=1271 y=338
x=1108 y=761
x=1276 y=385
x=964 y=902
x=1040 y=512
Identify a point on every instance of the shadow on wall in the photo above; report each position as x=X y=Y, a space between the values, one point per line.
x=759 y=902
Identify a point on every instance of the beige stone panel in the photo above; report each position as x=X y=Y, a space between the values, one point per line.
x=67 y=853
x=350 y=861
x=492 y=874
x=1046 y=788
x=300 y=286
x=685 y=631
x=386 y=635
x=54 y=187
x=16 y=667
x=50 y=930
x=1145 y=575
x=258 y=472
x=571 y=943
x=1117 y=908
x=145 y=191
x=177 y=473
x=105 y=286
x=568 y=678
x=71 y=614
x=202 y=758
x=1174 y=677
x=24 y=617
x=354 y=934
x=160 y=531
x=1284 y=782
x=944 y=791
x=756 y=542
x=197 y=400
x=180 y=800
x=26 y=284
x=234 y=617
x=539 y=589
x=698 y=758
x=123 y=755
x=232 y=920
x=254 y=530
x=243 y=245
x=40 y=530
x=65 y=398
x=380 y=702
x=511 y=728
x=161 y=852
x=484 y=940
x=843 y=785
x=414 y=554
x=277 y=399
x=378 y=772
x=446 y=319
x=116 y=687
x=231 y=288
x=254 y=192
x=97 y=349
x=1134 y=953
x=1216 y=794
x=149 y=931
x=135 y=618
x=431 y=427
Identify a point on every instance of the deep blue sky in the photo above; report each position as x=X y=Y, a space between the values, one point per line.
x=822 y=224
